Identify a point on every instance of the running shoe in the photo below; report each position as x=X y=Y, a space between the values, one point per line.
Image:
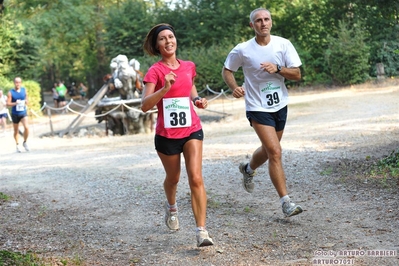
x=26 y=146
x=203 y=239
x=18 y=149
x=247 y=179
x=291 y=209
x=171 y=219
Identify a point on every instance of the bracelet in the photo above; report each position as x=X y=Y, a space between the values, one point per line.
x=195 y=99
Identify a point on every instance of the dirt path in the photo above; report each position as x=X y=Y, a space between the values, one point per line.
x=98 y=200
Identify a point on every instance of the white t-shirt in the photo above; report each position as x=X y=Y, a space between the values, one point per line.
x=264 y=92
x=3 y=105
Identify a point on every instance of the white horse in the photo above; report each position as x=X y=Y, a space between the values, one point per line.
x=126 y=76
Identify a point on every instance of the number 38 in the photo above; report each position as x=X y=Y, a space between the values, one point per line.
x=178 y=119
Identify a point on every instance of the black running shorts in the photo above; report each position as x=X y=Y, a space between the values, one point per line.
x=175 y=146
x=17 y=118
x=276 y=119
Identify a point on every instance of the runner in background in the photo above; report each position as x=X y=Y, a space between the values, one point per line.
x=3 y=111
x=18 y=100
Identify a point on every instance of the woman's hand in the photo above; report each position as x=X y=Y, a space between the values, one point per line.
x=169 y=80
x=201 y=103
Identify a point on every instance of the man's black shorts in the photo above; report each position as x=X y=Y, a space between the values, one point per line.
x=17 y=118
x=276 y=119
x=175 y=146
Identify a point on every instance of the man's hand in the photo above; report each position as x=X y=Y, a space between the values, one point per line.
x=239 y=92
x=269 y=67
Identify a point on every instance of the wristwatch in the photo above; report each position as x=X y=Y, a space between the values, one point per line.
x=278 y=68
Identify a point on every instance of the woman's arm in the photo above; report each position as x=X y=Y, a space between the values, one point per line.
x=150 y=98
x=198 y=101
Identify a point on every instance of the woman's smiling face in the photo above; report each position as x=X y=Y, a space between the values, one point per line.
x=166 y=42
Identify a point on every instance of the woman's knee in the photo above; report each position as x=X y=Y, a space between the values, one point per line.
x=196 y=181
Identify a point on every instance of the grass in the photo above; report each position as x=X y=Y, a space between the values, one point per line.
x=5 y=198
x=386 y=170
x=388 y=166
x=9 y=258
x=327 y=171
x=248 y=209
x=213 y=204
x=18 y=259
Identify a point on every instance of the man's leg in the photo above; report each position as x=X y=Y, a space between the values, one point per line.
x=270 y=150
x=16 y=133
x=24 y=122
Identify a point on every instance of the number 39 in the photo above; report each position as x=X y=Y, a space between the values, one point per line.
x=272 y=99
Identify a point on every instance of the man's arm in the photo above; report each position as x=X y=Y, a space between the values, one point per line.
x=229 y=79
x=9 y=99
x=293 y=73
x=26 y=97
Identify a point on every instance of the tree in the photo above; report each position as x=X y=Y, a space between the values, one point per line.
x=348 y=55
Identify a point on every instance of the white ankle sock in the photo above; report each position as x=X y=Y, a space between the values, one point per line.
x=249 y=170
x=174 y=206
x=200 y=228
x=284 y=199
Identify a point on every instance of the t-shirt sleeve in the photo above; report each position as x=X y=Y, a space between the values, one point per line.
x=151 y=76
x=292 y=57
x=234 y=59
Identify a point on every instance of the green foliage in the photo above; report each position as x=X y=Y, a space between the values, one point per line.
x=127 y=25
x=32 y=87
x=18 y=259
x=5 y=84
x=9 y=33
x=313 y=68
x=348 y=55
x=209 y=62
x=389 y=165
x=34 y=95
x=386 y=52
x=4 y=197
x=74 y=40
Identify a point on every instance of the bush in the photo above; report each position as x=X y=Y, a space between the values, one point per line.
x=209 y=62
x=35 y=98
x=348 y=55
x=32 y=87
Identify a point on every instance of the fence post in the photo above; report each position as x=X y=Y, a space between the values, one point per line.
x=380 y=71
x=51 y=122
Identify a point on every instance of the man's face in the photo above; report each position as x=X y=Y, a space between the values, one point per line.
x=262 y=24
x=17 y=83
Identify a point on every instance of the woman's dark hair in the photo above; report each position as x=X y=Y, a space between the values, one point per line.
x=150 y=41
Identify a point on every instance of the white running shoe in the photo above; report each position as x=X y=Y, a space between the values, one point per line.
x=25 y=146
x=171 y=219
x=291 y=209
x=203 y=239
x=247 y=179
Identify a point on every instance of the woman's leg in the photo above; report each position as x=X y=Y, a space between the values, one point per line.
x=171 y=164
x=192 y=151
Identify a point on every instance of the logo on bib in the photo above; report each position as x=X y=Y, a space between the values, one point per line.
x=269 y=87
x=175 y=105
